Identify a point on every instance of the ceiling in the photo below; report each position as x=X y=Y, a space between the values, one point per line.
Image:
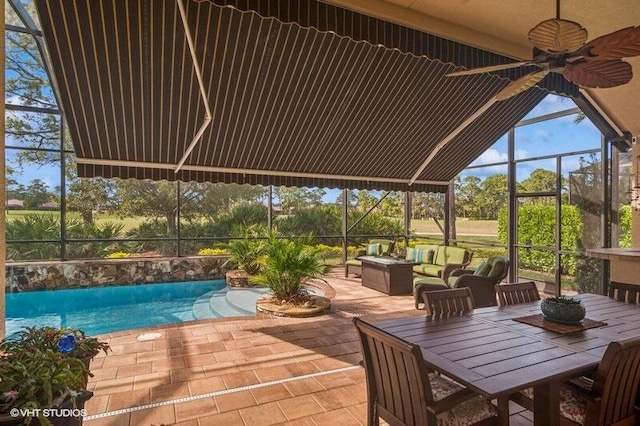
x=501 y=26
x=301 y=93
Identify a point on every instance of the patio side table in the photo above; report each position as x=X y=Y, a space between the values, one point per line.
x=387 y=274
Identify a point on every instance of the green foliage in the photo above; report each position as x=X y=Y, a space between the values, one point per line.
x=536 y=227
x=47 y=227
x=286 y=264
x=153 y=228
x=245 y=253
x=625 y=226
x=314 y=221
x=42 y=367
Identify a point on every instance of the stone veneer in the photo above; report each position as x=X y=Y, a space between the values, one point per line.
x=28 y=276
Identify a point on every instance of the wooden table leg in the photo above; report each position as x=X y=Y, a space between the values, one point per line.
x=546 y=403
x=503 y=411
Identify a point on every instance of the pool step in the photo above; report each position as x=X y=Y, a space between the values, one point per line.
x=220 y=306
x=228 y=302
x=244 y=298
x=201 y=308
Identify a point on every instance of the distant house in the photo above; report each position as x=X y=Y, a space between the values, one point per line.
x=51 y=205
x=15 y=205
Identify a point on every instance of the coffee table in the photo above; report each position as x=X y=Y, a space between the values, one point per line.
x=387 y=274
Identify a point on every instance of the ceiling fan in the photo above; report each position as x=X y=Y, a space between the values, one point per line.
x=560 y=46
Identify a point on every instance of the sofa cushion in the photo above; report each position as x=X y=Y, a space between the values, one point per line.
x=429 y=270
x=448 y=254
x=428 y=281
x=354 y=262
x=387 y=245
x=374 y=249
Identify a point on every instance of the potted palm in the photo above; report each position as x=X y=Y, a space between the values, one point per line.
x=286 y=265
x=244 y=256
x=42 y=385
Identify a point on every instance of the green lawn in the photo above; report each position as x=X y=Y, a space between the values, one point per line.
x=463 y=227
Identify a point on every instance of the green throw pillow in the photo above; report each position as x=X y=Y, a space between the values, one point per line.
x=483 y=269
x=374 y=249
x=430 y=255
x=421 y=255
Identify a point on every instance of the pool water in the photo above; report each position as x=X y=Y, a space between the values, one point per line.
x=99 y=310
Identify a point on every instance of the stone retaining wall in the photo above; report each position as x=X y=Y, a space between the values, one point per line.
x=30 y=276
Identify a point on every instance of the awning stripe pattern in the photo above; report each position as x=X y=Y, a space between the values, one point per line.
x=301 y=94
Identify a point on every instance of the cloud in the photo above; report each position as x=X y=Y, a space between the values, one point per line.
x=542 y=135
x=492 y=156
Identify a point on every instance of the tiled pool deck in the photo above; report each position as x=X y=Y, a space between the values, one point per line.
x=250 y=371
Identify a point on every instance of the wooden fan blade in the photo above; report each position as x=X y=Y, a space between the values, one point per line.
x=598 y=74
x=558 y=36
x=491 y=68
x=521 y=84
x=623 y=43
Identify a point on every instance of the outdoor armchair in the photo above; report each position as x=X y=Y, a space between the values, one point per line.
x=481 y=281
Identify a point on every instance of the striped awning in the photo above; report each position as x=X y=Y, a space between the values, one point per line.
x=300 y=94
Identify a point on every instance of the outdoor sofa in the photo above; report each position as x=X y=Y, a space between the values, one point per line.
x=375 y=247
x=438 y=260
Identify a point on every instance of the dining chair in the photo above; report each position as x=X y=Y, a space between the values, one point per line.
x=628 y=293
x=451 y=302
x=512 y=294
x=401 y=391
x=608 y=399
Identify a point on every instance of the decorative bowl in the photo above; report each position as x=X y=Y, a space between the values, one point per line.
x=563 y=310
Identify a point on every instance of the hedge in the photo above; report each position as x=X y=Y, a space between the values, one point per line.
x=536 y=226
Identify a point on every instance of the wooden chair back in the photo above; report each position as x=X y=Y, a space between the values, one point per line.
x=445 y=303
x=628 y=293
x=616 y=383
x=512 y=294
x=398 y=388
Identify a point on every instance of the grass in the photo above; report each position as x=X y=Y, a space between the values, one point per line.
x=463 y=227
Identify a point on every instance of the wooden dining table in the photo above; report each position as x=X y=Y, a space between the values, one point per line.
x=494 y=355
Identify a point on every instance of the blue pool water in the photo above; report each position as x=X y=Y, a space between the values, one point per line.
x=101 y=310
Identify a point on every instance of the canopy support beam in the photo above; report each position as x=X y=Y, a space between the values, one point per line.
x=203 y=92
x=450 y=137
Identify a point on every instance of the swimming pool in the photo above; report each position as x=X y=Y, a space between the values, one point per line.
x=100 y=310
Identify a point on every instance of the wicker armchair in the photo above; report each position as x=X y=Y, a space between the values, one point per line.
x=481 y=281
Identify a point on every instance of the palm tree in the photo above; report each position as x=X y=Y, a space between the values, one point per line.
x=287 y=263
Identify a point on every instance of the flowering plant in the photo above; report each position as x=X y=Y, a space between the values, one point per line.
x=67 y=341
x=44 y=368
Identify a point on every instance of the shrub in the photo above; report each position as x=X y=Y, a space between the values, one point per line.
x=119 y=255
x=213 y=252
x=286 y=264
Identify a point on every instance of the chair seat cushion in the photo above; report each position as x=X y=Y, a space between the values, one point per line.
x=354 y=262
x=467 y=413
x=427 y=280
x=573 y=406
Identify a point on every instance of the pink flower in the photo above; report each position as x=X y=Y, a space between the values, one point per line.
x=10 y=396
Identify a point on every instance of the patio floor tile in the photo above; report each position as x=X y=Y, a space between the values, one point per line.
x=316 y=358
